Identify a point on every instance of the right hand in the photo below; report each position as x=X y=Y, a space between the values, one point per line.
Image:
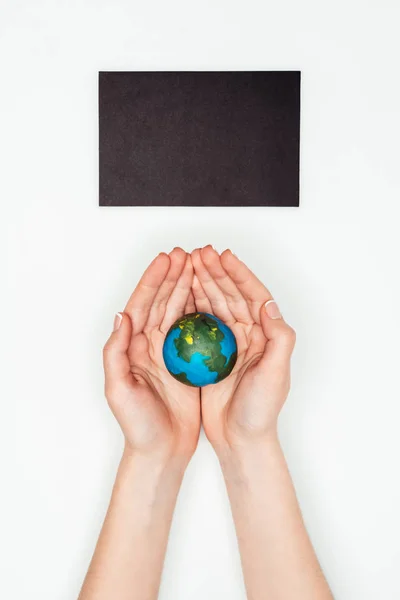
x=244 y=407
x=157 y=414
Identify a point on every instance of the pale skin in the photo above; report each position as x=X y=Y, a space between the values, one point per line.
x=161 y=417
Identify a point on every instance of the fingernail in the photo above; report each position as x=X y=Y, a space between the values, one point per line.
x=117 y=321
x=272 y=310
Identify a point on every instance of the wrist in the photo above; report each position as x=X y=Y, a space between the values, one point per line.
x=155 y=464
x=169 y=451
x=247 y=455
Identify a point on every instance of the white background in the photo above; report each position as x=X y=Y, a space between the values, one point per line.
x=332 y=265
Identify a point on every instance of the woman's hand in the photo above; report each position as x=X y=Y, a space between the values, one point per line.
x=244 y=406
x=240 y=419
x=158 y=415
x=160 y=419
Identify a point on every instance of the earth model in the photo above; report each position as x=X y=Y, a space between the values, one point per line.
x=199 y=349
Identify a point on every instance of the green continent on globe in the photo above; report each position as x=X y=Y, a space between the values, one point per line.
x=183 y=378
x=200 y=333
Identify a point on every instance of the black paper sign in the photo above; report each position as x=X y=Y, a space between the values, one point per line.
x=199 y=138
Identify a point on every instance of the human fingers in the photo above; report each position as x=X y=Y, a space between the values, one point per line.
x=212 y=291
x=235 y=300
x=253 y=290
x=190 y=303
x=280 y=337
x=201 y=300
x=140 y=302
x=179 y=297
x=158 y=307
x=115 y=354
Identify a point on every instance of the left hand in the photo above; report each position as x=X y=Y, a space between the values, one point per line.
x=159 y=416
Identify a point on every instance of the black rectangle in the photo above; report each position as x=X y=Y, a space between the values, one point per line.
x=203 y=138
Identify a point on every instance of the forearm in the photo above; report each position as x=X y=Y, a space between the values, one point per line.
x=277 y=556
x=129 y=555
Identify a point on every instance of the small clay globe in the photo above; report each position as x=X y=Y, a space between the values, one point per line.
x=199 y=349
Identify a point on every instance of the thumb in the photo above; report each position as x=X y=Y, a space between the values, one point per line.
x=115 y=352
x=280 y=336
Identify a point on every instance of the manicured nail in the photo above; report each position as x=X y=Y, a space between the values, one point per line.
x=272 y=310
x=117 y=321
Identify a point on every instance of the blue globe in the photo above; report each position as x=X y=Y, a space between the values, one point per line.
x=200 y=349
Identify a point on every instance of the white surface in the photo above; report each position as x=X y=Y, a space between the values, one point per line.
x=331 y=264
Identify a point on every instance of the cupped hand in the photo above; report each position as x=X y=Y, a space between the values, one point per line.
x=245 y=406
x=157 y=414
